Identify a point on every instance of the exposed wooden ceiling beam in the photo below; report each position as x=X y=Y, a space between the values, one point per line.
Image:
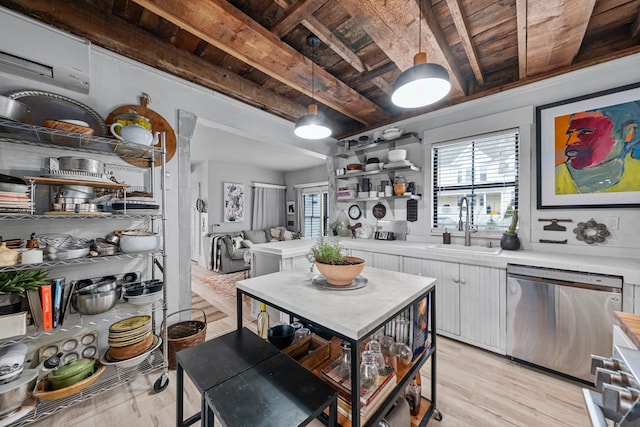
x=228 y=29
x=393 y=26
x=334 y=43
x=295 y=14
x=463 y=30
x=555 y=33
x=521 y=28
x=340 y=48
x=116 y=35
x=635 y=27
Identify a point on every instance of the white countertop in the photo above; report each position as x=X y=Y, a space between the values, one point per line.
x=628 y=268
x=352 y=313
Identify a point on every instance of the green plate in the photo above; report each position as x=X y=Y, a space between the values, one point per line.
x=130 y=323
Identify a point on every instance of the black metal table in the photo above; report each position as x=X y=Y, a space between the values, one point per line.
x=277 y=392
x=214 y=362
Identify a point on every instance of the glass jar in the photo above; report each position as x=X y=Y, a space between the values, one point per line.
x=368 y=370
x=399 y=185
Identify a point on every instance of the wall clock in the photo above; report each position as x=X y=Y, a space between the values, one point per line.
x=354 y=212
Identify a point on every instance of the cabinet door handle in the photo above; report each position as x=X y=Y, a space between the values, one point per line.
x=462 y=281
x=456 y=280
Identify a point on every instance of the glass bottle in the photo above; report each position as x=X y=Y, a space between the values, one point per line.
x=413 y=394
x=263 y=321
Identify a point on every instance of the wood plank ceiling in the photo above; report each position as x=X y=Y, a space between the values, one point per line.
x=255 y=50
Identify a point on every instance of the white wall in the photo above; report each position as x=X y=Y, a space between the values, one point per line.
x=218 y=174
x=516 y=108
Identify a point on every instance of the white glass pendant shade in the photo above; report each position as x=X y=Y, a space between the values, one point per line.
x=312 y=125
x=421 y=85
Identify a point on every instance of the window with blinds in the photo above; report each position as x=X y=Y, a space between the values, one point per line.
x=485 y=170
x=315 y=213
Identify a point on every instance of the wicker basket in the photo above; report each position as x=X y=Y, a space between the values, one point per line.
x=185 y=334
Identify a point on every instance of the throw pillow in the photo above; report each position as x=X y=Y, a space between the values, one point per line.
x=247 y=243
x=237 y=242
x=276 y=233
x=288 y=235
x=256 y=236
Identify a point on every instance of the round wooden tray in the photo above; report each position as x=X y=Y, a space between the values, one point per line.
x=42 y=388
x=158 y=124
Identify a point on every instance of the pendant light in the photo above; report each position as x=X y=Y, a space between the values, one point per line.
x=424 y=83
x=312 y=125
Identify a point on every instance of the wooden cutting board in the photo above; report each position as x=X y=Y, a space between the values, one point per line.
x=158 y=124
x=630 y=324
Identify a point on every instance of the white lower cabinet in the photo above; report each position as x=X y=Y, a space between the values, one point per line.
x=471 y=301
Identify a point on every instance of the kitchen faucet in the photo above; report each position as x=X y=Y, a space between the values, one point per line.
x=467 y=231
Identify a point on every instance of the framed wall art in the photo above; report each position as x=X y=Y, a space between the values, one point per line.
x=233 y=202
x=588 y=155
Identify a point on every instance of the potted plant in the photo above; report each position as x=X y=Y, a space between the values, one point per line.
x=14 y=286
x=510 y=240
x=338 y=269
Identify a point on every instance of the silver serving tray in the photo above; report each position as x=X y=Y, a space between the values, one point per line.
x=46 y=105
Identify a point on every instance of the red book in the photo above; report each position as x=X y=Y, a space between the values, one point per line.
x=46 y=301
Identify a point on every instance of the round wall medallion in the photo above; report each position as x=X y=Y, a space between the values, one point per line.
x=591 y=232
x=354 y=212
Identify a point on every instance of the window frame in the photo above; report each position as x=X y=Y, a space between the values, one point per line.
x=473 y=187
x=325 y=208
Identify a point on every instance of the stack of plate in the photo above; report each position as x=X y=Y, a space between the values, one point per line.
x=130 y=338
x=14 y=195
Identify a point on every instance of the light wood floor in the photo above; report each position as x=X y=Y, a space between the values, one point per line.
x=475 y=388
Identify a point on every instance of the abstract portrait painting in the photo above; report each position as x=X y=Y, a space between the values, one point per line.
x=588 y=153
x=233 y=202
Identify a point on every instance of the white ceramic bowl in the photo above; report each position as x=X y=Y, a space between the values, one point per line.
x=138 y=241
x=373 y=167
x=397 y=155
x=391 y=133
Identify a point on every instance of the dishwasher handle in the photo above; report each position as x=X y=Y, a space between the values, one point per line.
x=573 y=284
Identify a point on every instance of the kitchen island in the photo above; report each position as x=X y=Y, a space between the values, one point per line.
x=352 y=315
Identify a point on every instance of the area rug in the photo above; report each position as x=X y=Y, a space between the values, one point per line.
x=211 y=312
x=224 y=284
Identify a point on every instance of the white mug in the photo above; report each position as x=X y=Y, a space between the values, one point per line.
x=31 y=256
x=373 y=193
x=388 y=191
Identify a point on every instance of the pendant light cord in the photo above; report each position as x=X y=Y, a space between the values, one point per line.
x=313 y=74
x=420 y=26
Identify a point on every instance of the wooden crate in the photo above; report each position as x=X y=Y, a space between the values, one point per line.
x=309 y=352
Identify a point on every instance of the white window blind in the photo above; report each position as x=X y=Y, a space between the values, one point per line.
x=315 y=212
x=485 y=170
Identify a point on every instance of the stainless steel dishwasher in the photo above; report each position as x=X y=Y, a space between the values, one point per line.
x=556 y=319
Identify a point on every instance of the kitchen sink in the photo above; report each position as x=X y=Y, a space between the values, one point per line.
x=467 y=249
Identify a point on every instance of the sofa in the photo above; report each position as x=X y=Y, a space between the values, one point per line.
x=232 y=247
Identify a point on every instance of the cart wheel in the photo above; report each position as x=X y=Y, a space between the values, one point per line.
x=437 y=415
x=161 y=383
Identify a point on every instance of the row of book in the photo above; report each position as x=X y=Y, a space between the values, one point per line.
x=48 y=304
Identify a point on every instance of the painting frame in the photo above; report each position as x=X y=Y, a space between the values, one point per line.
x=548 y=117
x=291 y=208
x=233 y=202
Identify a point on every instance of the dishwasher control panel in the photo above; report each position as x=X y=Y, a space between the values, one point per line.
x=565 y=275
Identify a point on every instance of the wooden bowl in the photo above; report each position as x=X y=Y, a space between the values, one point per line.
x=68 y=127
x=354 y=167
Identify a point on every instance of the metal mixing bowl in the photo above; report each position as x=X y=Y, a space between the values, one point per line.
x=14 y=393
x=95 y=303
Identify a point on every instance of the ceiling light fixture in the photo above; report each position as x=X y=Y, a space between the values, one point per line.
x=422 y=84
x=312 y=125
